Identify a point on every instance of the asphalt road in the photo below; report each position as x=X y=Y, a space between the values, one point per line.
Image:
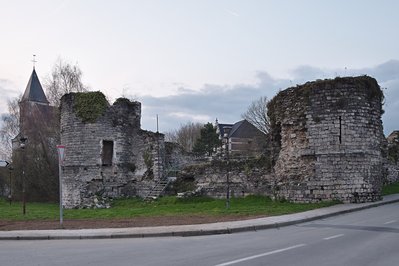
x=368 y=237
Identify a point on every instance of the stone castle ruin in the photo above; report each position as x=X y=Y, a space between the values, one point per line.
x=108 y=154
x=326 y=142
x=327 y=139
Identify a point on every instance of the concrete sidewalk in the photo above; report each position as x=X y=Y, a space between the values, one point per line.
x=197 y=229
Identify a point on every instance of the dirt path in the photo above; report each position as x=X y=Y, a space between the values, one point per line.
x=6 y=225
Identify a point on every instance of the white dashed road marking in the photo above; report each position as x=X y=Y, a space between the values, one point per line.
x=260 y=255
x=390 y=222
x=332 y=237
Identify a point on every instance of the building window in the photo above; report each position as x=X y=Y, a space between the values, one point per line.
x=108 y=151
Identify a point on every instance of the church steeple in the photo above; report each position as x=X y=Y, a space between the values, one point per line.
x=34 y=91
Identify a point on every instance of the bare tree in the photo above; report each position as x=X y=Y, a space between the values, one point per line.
x=64 y=78
x=257 y=114
x=36 y=164
x=10 y=126
x=186 y=135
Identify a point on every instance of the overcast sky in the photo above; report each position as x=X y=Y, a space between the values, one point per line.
x=201 y=60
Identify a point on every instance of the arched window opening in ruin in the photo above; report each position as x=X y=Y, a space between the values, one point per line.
x=107 y=152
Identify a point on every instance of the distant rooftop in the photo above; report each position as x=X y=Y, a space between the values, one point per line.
x=241 y=129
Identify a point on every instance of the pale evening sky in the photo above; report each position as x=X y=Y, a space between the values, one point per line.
x=199 y=60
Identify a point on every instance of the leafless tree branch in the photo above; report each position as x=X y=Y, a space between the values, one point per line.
x=64 y=78
x=257 y=114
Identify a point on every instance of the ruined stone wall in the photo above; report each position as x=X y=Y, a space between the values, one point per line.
x=327 y=139
x=87 y=176
x=202 y=176
x=246 y=177
x=392 y=161
x=392 y=173
x=176 y=158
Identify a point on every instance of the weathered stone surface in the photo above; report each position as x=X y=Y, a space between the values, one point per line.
x=327 y=143
x=392 y=173
x=176 y=158
x=327 y=137
x=245 y=178
x=133 y=166
x=392 y=162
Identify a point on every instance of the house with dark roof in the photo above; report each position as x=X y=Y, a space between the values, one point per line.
x=243 y=138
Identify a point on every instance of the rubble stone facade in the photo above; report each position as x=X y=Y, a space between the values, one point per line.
x=327 y=137
x=108 y=156
x=392 y=162
x=244 y=178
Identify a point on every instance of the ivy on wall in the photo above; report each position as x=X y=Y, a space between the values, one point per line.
x=90 y=105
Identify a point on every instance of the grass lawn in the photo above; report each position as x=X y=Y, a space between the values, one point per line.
x=165 y=206
x=390 y=189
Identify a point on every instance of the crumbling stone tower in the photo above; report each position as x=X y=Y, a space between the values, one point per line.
x=107 y=153
x=327 y=138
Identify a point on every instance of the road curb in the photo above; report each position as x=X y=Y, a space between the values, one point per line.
x=61 y=235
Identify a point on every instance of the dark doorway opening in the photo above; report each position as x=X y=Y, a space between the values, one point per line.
x=108 y=151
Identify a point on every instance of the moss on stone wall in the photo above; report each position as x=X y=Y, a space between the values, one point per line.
x=279 y=107
x=90 y=105
x=369 y=84
x=125 y=101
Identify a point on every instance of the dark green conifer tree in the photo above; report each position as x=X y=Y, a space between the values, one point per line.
x=208 y=141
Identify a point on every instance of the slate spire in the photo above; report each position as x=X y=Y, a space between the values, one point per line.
x=34 y=91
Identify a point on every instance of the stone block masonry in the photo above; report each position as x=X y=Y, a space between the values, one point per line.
x=108 y=154
x=327 y=137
